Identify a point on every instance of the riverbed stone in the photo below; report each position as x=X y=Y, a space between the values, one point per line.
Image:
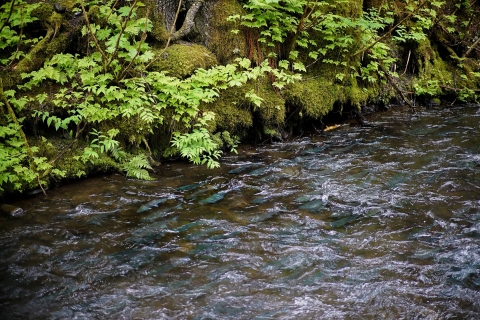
x=11 y=211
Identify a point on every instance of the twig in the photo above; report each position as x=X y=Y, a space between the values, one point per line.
x=471 y=48
x=111 y=10
x=408 y=60
x=456 y=89
x=40 y=185
x=391 y=29
x=19 y=39
x=77 y=134
x=22 y=134
x=15 y=120
x=124 y=26
x=91 y=32
x=144 y=36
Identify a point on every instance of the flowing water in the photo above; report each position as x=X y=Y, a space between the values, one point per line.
x=356 y=223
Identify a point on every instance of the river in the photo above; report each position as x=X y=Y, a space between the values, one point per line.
x=354 y=223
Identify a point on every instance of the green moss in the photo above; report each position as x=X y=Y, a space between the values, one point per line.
x=68 y=4
x=55 y=19
x=181 y=60
x=314 y=98
x=434 y=72
x=232 y=111
x=235 y=113
x=57 y=45
x=158 y=31
x=55 y=41
x=349 y=8
x=226 y=45
x=94 y=15
x=272 y=110
x=43 y=12
x=34 y=59
x=73 y=168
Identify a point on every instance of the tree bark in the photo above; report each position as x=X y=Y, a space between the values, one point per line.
x=189 y=22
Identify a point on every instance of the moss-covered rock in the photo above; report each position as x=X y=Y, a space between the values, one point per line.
x=69 y=163
x=236 y=114
x=43 y=12
x=181 y=60
x=433 y=72
x=316 y=96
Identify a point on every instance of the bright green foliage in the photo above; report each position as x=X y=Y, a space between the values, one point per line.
x=116 y=97
x=137 y=167
x=14 y=16
x=194 y=145
x=13 y=153
x=317 y=28
x=112 y=86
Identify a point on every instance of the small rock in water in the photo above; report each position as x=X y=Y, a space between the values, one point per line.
x=264 y=216
x=314 y=150
x=149 y=205
x=344 y=149
x=260 y=200
x=11 y=211
x=306 y=197
x=399 y=178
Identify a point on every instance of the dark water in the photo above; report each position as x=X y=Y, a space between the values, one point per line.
x=357 y=223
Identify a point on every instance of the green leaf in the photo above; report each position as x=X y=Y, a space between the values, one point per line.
x=283 y=64
x=299 y=66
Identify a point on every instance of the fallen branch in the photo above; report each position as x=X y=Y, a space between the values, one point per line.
x=471 y=48
x=456 y=89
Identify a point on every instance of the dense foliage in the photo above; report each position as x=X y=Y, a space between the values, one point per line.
x=108 y=102
x=110 y=85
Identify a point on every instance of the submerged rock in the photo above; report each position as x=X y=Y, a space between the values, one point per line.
x=314 y=150
x=11 y=211
x=260 y=200
x=396 y=180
